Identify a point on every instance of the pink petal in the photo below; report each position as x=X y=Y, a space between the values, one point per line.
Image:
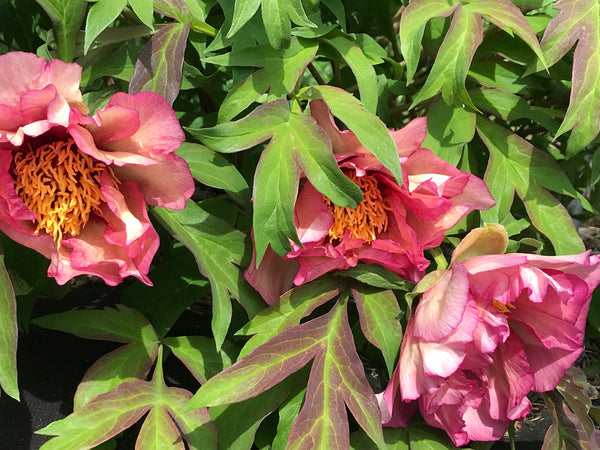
x=479 y=426
x=167 y=183
x=159 y=131
x=394 y=411
x=273 y=276
x=116 y=123
x=312 y=216
x=409 y=138
x=441 y=308
x=510 y=379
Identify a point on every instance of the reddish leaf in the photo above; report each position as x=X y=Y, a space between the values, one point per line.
x=160 y=64
x=337 y=376
x=578 y=21
x=158 y=427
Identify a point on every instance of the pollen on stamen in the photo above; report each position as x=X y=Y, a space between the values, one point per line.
x=60 y=184
x=503 y=308
x=368 y=219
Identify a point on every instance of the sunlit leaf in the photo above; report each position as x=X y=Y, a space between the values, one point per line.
x=364 y=72
x=369 y=129
x=100 y=16
x=296 y=144
x=379 y=320
x=8 y=334
x=578 y=21
x=143 y=9
x=127 y=363
x=337 y=380
x=67 y=17
x=159 y=66
x=516 y=166
x=183 y=11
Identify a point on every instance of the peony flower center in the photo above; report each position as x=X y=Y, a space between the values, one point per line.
x=368 y=218
x=502 y=308
x=60 y=184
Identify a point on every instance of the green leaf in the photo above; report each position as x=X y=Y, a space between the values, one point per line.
x=377 y=276
x=369 y=129
x=448 y=130
x=277 y=14
x=237 y=423
x=194 y=12
x=144 y=10
x=101 y=15
x=516 y=166
x=379 y=312
x=451 y=65
x=219 y=249
x=213 y=169
x=506 y=15
x=296 y=144
x=572 y=387
x=159 y=66
x=287 y=414
x=199 y=355
x=361 y=67
x=242 y=13
x=412 y=25
x=512 y=107
x=122 y=324
x=67 y=17
x=337 y=379
x=127 y=363
x=108 y=414
x=289 y=310
x=279 y=73
x=8 y=334
x=577 y=20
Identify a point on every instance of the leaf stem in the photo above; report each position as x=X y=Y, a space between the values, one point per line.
x=439 y=258
x=316 y=75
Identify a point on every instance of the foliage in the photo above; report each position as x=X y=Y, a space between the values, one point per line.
x=511 y=91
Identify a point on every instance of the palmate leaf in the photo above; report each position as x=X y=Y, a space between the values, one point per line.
x=296 y=143
x=194 y=12
x=160 y=63
x=516 y=166
x=219 y=250
x=577 y=21
x=336 y=380
x=278 y=75
x=8 y=334
x=451 y=66
x=113 y=412
x=67 y=17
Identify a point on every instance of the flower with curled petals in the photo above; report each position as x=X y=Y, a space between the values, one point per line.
x=391 y=226
x=75 y=187
x=485 y=333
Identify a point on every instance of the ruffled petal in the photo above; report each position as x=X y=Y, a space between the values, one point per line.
x=168 y=183
x=312 y=216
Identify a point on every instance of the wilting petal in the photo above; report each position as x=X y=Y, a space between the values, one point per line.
x=395 y=412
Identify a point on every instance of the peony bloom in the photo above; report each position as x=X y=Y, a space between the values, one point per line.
x=391 y=226
x=75 y=187
x=485 y=333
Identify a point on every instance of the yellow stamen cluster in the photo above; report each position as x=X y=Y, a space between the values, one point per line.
x=60 y=184
x=367 y=219
x=501 y=307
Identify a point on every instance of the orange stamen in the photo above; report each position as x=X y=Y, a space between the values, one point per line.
x=61 y=185
x=367 y=219
x=501 y=307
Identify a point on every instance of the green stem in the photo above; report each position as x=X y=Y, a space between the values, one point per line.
x=439 y=258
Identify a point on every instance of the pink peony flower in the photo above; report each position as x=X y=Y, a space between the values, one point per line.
x=391 y=226
x=485 y=333
x=75 y=187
